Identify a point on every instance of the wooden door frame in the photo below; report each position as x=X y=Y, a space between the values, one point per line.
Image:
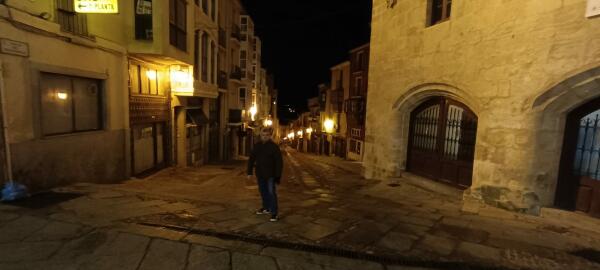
x=567 y=184
x=444 y=103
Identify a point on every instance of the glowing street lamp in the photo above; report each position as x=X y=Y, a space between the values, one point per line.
x=300 y=133
x=268 y=123
x=328 y=124
x=309 y=130
x=253 y=111
x=291 y=136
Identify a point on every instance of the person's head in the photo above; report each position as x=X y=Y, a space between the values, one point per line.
x=266 y=134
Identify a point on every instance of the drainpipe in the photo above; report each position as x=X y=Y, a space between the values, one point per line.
x=8 y=164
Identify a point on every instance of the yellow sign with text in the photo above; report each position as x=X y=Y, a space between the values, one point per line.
x=96 y=6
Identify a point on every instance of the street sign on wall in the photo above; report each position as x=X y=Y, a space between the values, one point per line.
x=96 y=6
x=593 y=8
x=8 y=46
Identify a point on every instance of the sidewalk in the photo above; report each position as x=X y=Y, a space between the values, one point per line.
x=329 y=218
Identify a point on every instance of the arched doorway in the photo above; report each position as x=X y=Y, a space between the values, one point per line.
x=442 y=141
x=578 y=185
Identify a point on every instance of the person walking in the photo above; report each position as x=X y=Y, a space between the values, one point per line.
x=266 y=163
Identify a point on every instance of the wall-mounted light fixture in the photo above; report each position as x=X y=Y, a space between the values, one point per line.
x=151 y=74
x=62 y=95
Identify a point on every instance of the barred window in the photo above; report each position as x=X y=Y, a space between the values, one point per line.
x=69 y=20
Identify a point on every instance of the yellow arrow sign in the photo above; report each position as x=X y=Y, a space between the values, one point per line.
x=96 y=6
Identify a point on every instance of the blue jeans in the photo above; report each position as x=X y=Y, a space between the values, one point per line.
x=268 y=193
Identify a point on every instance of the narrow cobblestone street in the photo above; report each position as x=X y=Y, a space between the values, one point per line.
x=331 y=218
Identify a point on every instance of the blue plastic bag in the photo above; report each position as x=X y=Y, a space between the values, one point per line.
x=14 y=191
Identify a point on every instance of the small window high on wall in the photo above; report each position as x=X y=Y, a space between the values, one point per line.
x=438 y=11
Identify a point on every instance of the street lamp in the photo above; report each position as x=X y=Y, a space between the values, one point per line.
x=253 y=111
x=300 y=133
x=328 y=124
x=268 y=123
x=309 y=130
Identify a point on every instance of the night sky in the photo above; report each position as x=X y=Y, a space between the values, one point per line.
x=303 y=39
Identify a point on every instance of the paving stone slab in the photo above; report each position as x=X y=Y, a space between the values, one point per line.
x=397 y=242
x=439 y=245
x=319 y=259
x=124 y=252
x=202 y=257
x=477 y=251
x=106 y=195
x=151 y=231
x=164 y=254
x=8 y=216
x=296 y=264
x=21 y=228
x=28 y=251
x=329 y=222
x=224 y=244
x=176 y=207
x=417 y=221
x=463 y=233
x=313 y=231
x=55 y=231
x=242 y=261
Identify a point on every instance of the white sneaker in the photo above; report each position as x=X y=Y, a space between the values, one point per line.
x=262 y=211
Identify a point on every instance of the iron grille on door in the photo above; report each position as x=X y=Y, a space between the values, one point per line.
x=442 y=141
x=587 y=153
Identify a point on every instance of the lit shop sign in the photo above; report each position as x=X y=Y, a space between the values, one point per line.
x=182 y=81
x=96 y=6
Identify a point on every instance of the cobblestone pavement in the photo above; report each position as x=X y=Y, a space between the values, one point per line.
x=331 y=218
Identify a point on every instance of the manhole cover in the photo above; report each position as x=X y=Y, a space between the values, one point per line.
x=45 y=199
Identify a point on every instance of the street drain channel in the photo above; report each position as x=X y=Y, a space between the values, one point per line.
x=588 y=254
x=331 y=251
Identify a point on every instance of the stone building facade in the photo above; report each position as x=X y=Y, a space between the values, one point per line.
x=512 y=78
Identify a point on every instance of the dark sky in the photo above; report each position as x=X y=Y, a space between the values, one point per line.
x=302 y=39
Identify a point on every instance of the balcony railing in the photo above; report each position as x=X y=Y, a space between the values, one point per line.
x=222 y=79
x=222 y=37
x=236 y=73
x=235 y=33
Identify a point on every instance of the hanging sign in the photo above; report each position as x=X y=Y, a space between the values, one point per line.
x=96 y=6
x=593 y=8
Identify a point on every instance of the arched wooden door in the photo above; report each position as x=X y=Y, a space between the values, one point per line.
x=442 y=141
x=579 y=176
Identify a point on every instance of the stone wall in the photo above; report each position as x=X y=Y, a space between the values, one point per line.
x=43 y=161
x=520 y=65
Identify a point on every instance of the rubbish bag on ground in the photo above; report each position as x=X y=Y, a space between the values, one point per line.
x=14 y=191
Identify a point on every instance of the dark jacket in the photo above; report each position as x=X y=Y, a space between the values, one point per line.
x=266 y=158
